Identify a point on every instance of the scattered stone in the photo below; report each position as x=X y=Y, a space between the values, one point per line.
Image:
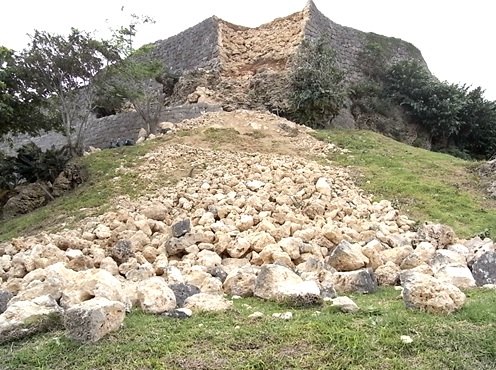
x=347 y=257
x=484 y=269
x=345 y=304
x=256 y=315
x=121 y=251
x=93 y=319
x=179 y=313
x=426 y=293
x=284 y=316
x=388 y=274
x=155 y=296
x=183 y=291
x=361 y=281
x=406 y=339
x=181 y=228
x=208 y=302
x=438 y=235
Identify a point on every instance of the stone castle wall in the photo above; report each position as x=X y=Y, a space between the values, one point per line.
x=196 y=47
x=349 y=43
x=102 y=131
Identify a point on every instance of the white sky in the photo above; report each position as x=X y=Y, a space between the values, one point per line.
x=455 y=37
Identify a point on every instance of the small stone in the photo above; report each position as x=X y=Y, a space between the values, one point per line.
x=406 y=339
x=181 y=228
x=284 y=316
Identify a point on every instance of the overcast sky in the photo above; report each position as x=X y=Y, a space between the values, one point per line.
x=455 y=37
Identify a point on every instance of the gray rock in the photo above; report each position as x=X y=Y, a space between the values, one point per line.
x=175 y=246
x=121 y=251
x=361 y=281
x=219 y=273
x=181 y=228
x=5 y=297
x=484 y=269
x=183 y=291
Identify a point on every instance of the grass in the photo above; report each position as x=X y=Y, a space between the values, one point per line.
x=110 y=177
x=369 y=339
x=427 y=186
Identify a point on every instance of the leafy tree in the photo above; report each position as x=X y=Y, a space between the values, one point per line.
x=137 y=78
x=317 y=86
x=22 y=110
x=61 y=69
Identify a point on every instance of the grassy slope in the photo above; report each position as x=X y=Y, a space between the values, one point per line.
x=367 y=340
x=427 y=185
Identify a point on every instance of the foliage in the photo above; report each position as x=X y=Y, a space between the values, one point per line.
x=31 y=164
x=316 y=83
x=22 y=110
x=137 y=78
x=60 y=70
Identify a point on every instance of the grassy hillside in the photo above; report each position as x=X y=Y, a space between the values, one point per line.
x=315 y=338
x=427 y=186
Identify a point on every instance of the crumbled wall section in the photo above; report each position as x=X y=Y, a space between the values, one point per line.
x=248 y=50
x=196 y=47
x=349 y=43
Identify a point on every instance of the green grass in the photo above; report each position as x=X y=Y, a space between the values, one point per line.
x=110 y=176
x=369 y=339
x=427 y=186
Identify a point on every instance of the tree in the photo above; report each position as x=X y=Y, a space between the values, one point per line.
x=61 y=70
x=22 y=110
x=317 y=86
x=137 y=78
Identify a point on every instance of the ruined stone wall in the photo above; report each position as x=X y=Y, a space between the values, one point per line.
x=102 y=131
x=249 y=50
x=196 y=47
x=349 y=43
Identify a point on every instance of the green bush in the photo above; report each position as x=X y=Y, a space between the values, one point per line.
x=31 y=164
x=317 y=90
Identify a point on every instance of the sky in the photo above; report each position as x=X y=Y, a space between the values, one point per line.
x=456 y=37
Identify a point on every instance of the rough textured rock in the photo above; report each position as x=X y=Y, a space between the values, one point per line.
x=272 y=278
x=183 y=291
x=5 y=297
x=27 y=317
x=155 y=296
x=29 y=197
x=459 y=276
x=240 y=282
x=388 y=274
x=208 y=302
x=484 y=269
x=121 y=251
x=424 y=292
x=438 y=235
x=347 y=257
x=345 y=304
x=181 y=228
x=93 y=319
x=360 y=281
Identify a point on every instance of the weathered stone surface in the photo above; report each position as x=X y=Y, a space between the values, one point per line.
x=5 y=297
x=397 y=254
x=183 y=291
x=26 y=317
x=240 y=282
x=345 y=304
x=207 y=302
x=157 y=212
x=424 y=292
x=438 y=235
x=93 y=319
x=181 y=228
x=360 y=281
x=484 y=269
x=347 y=257
x=271 y=279
x=155 y=296
x=459 y=276
x=121 y=251
x=388 y=274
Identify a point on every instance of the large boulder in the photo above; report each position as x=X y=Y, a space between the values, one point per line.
x=438 y=235
x=93 y=319
x=484 y=269
x=155 y=296
x=347 y=257
x=426 y=293
x=272 y=279
x=28 y=198
x=24 y=318
x=207 y=302
x=361 y=281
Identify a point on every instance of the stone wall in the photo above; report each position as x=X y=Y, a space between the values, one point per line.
x=349 y=43
x=196 y=47
x=102 y=131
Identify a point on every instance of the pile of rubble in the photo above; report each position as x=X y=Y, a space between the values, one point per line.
x=250 y=224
